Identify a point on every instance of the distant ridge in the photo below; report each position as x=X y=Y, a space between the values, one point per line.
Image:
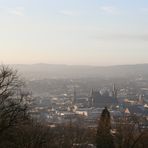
x=44 y=71
x=42 y=64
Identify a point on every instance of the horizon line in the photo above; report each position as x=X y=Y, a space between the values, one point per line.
x=31 y=64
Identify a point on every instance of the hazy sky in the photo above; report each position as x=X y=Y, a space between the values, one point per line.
x=84 y=32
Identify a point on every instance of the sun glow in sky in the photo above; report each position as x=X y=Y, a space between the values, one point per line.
x=80 y=32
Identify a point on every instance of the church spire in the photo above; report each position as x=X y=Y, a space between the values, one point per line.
x=74 y=96
x=114 y=92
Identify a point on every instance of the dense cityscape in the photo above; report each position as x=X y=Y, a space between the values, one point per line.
x=78 y=112
x=65 y=101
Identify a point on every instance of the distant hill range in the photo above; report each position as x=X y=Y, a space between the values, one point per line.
x=48 y=71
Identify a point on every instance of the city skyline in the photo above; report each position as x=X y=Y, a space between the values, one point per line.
x=74 y=32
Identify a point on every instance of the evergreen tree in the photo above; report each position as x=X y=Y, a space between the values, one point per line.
x=104 y=138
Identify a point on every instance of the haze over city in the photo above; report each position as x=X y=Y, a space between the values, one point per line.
x=73 y=73
x=74 y=32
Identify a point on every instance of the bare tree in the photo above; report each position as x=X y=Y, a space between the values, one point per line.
x=12 y=100
x=129 y=134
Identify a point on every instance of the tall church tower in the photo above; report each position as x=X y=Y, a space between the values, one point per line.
x=74 y=96
x=114 y=92
x=91 y=99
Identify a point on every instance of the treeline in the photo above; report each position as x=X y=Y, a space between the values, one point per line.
x=18 y=130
